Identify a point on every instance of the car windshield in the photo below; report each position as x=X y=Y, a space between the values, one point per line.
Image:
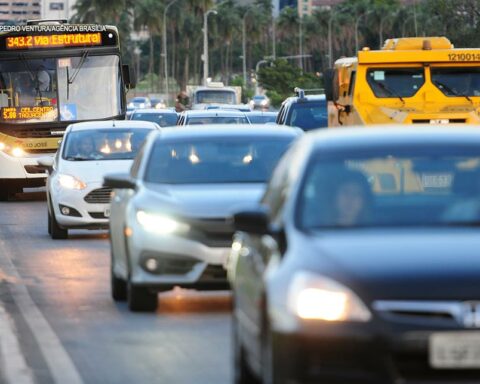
x=65 y=89
x=309 y=115
x=262 y=119
x=162 y=119
x=463 y=81
x=104 y=144
x=395 y=82
x=217 y=97
x=216 y=160
x=196 y=120
x=416 y=187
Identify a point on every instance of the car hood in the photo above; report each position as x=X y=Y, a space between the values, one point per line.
x=401 y=264
x=94 y=171
x=202 y=200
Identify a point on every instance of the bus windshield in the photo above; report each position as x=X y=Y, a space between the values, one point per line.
x=60 y=89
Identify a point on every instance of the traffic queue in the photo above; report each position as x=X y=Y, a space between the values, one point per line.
x=350 y=252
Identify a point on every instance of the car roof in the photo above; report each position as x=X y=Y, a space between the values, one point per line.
x=230 y=130
x=262 y=113
x=112 y=124
x=214 y=112
x=155 y=110
x=306 y=98
x=392 y=135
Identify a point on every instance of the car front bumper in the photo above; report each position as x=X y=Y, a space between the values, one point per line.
x=92 y=215
x=359 y=353
x=181 y=261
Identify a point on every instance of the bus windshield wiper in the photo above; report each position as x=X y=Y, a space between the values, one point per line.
x=33 y=75
x=450 y=90
x=390 y=92
x=70 y=80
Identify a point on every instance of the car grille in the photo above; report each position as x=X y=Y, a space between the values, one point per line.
x=213 y=232
x=97 y=215
x=99 y=196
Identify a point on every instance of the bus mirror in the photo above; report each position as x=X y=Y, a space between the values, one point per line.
x=129 y=76
x=328 y=78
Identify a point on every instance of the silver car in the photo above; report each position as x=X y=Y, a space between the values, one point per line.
x=170 y=216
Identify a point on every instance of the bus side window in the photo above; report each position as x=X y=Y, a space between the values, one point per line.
x=352 y=83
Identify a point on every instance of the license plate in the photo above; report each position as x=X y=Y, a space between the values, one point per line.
x=455 y=350
x=106 y=212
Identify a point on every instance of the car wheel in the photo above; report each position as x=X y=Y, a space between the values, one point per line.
x=7 y=192
x=269 y=370
x=56 y=232
x=140 y=299
x=49 y=223
x=118 y=285
x=241 y=371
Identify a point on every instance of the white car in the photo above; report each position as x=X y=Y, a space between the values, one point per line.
x=75 y=195
x=170 y=224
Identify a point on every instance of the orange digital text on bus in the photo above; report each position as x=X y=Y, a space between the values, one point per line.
x=52 y=41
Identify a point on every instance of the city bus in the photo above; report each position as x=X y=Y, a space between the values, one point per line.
x=52 y=74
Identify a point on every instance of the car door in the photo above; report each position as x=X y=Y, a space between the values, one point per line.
x=253 y=258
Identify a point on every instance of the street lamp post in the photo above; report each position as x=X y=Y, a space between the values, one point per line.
x=330 y=48
x=165 y=57
x=244 y=46
x=205 y=44
x=357 y=24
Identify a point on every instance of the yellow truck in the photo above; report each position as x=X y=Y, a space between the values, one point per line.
x=421 y=80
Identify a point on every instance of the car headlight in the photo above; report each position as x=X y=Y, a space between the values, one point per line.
x=264 y=102
x=317 y=297
x=161 y=224
x=142 y=105
x=70 y=182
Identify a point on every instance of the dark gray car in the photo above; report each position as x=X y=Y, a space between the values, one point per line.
x=361 y=264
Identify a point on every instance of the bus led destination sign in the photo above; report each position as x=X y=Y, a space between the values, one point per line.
x=25 y=113
x=53 y=41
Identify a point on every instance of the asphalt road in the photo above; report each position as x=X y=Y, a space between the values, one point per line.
x=59 y=325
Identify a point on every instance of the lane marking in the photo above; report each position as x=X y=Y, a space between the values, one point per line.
x=14 y=367
x=60 y=364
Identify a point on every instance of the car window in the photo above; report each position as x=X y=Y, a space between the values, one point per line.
x=419 y=187
x=104 y=144
x=162 y=119
x=215 y=160
x=309 y=115
x=194 y=120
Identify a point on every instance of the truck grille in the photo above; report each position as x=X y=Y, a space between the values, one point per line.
x=99 y=196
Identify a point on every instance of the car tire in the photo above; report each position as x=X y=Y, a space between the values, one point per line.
x=7 y=192
x=140 y=299
x=49 y=224
x=56 y=232
x=242 y=373
x=270 y=373
x=118 y=286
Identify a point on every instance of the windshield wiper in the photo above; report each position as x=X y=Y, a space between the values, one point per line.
x=450 y=90
x=77 y=158
x=390 y=92
x=33 y=75
x=70 y=80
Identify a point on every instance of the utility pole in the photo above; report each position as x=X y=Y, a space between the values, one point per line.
x=165 y=57
x=205 y=44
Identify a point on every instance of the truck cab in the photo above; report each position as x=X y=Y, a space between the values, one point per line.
x=421 y=80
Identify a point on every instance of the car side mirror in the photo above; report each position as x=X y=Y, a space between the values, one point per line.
x=254 y=221
x=119 y=181
x=129 y=76
x=46 y=163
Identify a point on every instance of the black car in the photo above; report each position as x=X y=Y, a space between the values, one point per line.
x=361 y=264
x=304 y=111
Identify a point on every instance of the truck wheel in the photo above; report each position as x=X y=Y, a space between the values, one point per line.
x=56 y=232
x=140 y=299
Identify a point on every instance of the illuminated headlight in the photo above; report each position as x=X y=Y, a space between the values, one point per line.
x=17 y=152
x=161 y=224
x=315 y=297
x=70 y=182
x=2 y=146
x=131 y=105
x=142 y=105
x=264 y=102
x=252 y=102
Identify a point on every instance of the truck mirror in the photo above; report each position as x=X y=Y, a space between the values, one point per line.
x=129 y=76
x=328 y=79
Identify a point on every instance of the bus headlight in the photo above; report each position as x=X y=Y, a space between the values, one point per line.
x=316 y=297
x=70 y=182
x=2 y=146
x=17 y=152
